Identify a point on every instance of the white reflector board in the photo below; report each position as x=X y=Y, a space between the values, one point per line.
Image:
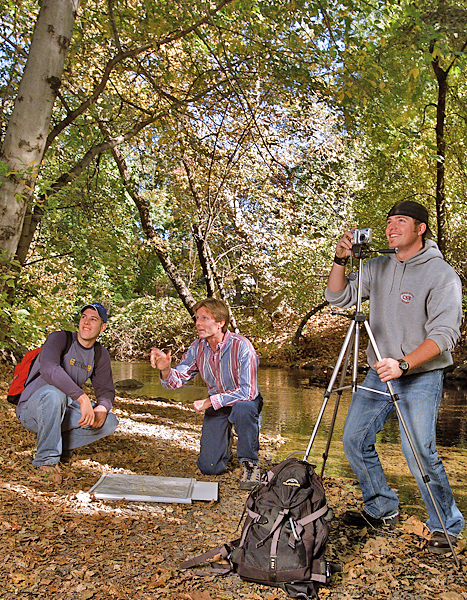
x=147 y=488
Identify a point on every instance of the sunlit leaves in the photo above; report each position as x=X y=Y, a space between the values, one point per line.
x=396 y=132
x=246 y=115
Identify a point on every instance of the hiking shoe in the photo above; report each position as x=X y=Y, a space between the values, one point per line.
x=53 y=472
x=67 y=457
x=251 y=476
x=363 y=519
x=438 y=543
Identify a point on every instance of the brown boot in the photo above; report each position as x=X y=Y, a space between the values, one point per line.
x=52 y=471
x=67 y=457
x=438 y=543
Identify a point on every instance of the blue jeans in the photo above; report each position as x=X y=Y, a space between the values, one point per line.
x=54 y=417
x=419 y=400
x=217 y=424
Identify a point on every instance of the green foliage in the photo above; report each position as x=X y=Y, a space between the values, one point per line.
x=268 y=129
x=25 y=321
x=137 y=326
x=390 y=92
x=24 y=332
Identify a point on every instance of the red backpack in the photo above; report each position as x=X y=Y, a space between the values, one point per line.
x=23 y=369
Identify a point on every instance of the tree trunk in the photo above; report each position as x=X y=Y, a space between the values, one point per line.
x=304 y=321
x=33 y=218
x=204 y=260
x=25 y=137
x=148 y=228
x=169 y=268
x=220 y=286
x=31 y=221
x=441 y=77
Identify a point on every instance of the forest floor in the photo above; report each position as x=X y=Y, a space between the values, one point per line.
x=59 y=542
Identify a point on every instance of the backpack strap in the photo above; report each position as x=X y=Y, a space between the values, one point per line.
x=251 y=519
x=300 y=524
x=275 y=536
x=221 y=552
x=315 y=515
x=36 y=375
x=274 y=531
x=69 y=341
x=97 y=355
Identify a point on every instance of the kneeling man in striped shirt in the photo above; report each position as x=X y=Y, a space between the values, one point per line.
x=228 y=364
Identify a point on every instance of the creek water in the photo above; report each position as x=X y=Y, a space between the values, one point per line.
x=290 y=412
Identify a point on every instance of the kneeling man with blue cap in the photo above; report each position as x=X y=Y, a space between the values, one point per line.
x=53 y=404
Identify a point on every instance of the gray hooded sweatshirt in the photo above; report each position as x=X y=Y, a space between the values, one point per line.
x=410 y=302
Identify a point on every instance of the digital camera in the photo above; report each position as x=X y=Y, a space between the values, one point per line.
x=362 y=236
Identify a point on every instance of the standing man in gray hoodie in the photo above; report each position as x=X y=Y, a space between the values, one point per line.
x=415 y=314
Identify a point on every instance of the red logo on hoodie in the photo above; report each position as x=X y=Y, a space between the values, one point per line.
x=406 y=297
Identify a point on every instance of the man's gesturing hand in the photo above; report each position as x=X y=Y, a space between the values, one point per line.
x=161 y=361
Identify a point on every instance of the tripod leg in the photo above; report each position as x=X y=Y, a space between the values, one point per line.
x=347 y=341
x=338 y=399
x=425 y=477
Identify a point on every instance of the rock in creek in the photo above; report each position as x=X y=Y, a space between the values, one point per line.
x=128 y=384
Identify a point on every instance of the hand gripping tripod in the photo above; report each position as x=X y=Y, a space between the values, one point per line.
x=352 y=339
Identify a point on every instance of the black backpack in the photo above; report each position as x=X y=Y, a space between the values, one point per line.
x=284 y=535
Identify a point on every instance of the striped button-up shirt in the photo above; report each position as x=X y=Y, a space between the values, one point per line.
x=230 y=372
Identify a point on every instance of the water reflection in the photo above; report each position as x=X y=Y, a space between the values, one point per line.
x=292 y=407
x=452 y=422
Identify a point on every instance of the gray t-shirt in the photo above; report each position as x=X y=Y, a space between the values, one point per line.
x=71 y=372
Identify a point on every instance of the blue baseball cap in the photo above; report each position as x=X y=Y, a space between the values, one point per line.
x=101 y=311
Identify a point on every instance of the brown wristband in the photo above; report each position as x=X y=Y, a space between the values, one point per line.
x=341 y=261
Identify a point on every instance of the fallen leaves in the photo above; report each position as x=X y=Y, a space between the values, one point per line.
x=195 y=596
x=59 y=542
x=416 y=527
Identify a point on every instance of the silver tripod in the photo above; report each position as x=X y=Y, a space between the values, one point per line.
x=352 y=340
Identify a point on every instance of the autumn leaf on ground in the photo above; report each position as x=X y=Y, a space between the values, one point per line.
x=195 y=595
x=416 y=527
x=60 y=543
x=452 y=596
